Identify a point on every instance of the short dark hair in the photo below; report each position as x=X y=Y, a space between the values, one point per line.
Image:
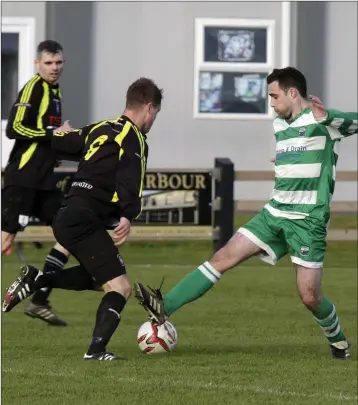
x=143 y=91
x=289 y=77
x=49 y=46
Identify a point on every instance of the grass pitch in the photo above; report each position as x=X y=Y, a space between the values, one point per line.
x=248 y=341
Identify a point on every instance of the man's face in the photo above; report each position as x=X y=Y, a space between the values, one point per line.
x=50 y=66
x=149 y=117
x=281 y=101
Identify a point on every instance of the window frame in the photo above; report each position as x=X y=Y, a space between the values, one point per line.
x=239 y=67
x=25 y=28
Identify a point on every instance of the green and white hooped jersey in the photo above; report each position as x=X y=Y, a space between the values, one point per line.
x=306 y=159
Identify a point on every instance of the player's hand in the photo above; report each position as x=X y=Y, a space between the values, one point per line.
x=6 y=241
x=121 y=232
x=65 y=127
x=318 y=109
x=273 y=160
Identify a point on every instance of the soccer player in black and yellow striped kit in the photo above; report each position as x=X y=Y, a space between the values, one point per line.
x=29 y=184
x=105 y=194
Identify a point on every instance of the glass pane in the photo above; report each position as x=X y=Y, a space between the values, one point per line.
x=235 y=45
x=9 y=71
x=232 y=92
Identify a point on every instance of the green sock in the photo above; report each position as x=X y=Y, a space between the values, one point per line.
x=192 y=287
x=327 y=319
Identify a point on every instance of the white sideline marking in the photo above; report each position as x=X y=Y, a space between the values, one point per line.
x=188 y=384
x=194 y=266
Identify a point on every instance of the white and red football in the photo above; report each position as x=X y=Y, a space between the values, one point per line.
x=154 y=338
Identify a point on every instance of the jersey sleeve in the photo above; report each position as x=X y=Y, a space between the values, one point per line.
x=343 y=124
x=70 y=145
x=131 y=171
x=27 y=104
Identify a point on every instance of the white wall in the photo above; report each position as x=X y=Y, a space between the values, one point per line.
x=324 y=41
x=131 y=39
x=341 y=55
x=35 y=9
x=75 y=38
x=157 y=40
x=340 y=78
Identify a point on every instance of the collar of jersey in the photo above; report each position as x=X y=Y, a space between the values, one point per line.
x=52 y=86
x=128 y=119
x=304 y=111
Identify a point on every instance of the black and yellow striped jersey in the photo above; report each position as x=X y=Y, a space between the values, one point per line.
x=33 y=116
x=112 y=166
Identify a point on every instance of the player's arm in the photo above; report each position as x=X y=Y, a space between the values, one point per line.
x=28 y=104
x=130 y=172
x=69 y=145
x=345 y=123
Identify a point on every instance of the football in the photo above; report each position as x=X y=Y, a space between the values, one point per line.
x=154 y=338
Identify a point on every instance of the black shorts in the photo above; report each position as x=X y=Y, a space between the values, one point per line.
x=21 y=203
x=79 y=230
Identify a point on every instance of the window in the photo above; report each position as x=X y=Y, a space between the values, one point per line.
x=233 y=44
x=232 y=92
x=232 y=60
x=17 y=67
x=9 y=71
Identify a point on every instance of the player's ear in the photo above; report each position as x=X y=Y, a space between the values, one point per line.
x=150 y=107
x=293 y=92
x=37 y=65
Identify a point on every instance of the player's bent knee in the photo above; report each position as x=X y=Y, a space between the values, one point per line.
x=309 y=286
x=120 y=285
x=6 y=241
x=61 y=249
x=311 y=300
x=223 y=260
x=238 y=249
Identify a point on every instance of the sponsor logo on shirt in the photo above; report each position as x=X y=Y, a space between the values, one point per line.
x=55 y=121
x=302 y=131
x=82 y=184
x=292 y=149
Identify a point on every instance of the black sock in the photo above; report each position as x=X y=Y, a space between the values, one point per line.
x=75 y=278
x=55 y=261
x=107 y=319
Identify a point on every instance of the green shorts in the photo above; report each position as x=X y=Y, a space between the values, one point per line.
x=304 y=239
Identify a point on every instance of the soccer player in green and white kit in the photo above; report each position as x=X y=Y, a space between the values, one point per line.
x=295 y=219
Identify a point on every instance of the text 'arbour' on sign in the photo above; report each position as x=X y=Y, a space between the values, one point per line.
x=174 y=181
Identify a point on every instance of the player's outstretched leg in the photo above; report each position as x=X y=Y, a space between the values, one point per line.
x=21 y=288
x=324 y=312
x=39 y=307
x=152 y=301
x=31 y=280
x=78 y=279
x=197 y=283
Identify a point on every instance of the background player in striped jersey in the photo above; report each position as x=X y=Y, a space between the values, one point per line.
x=295 y=219
x=29 y=183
